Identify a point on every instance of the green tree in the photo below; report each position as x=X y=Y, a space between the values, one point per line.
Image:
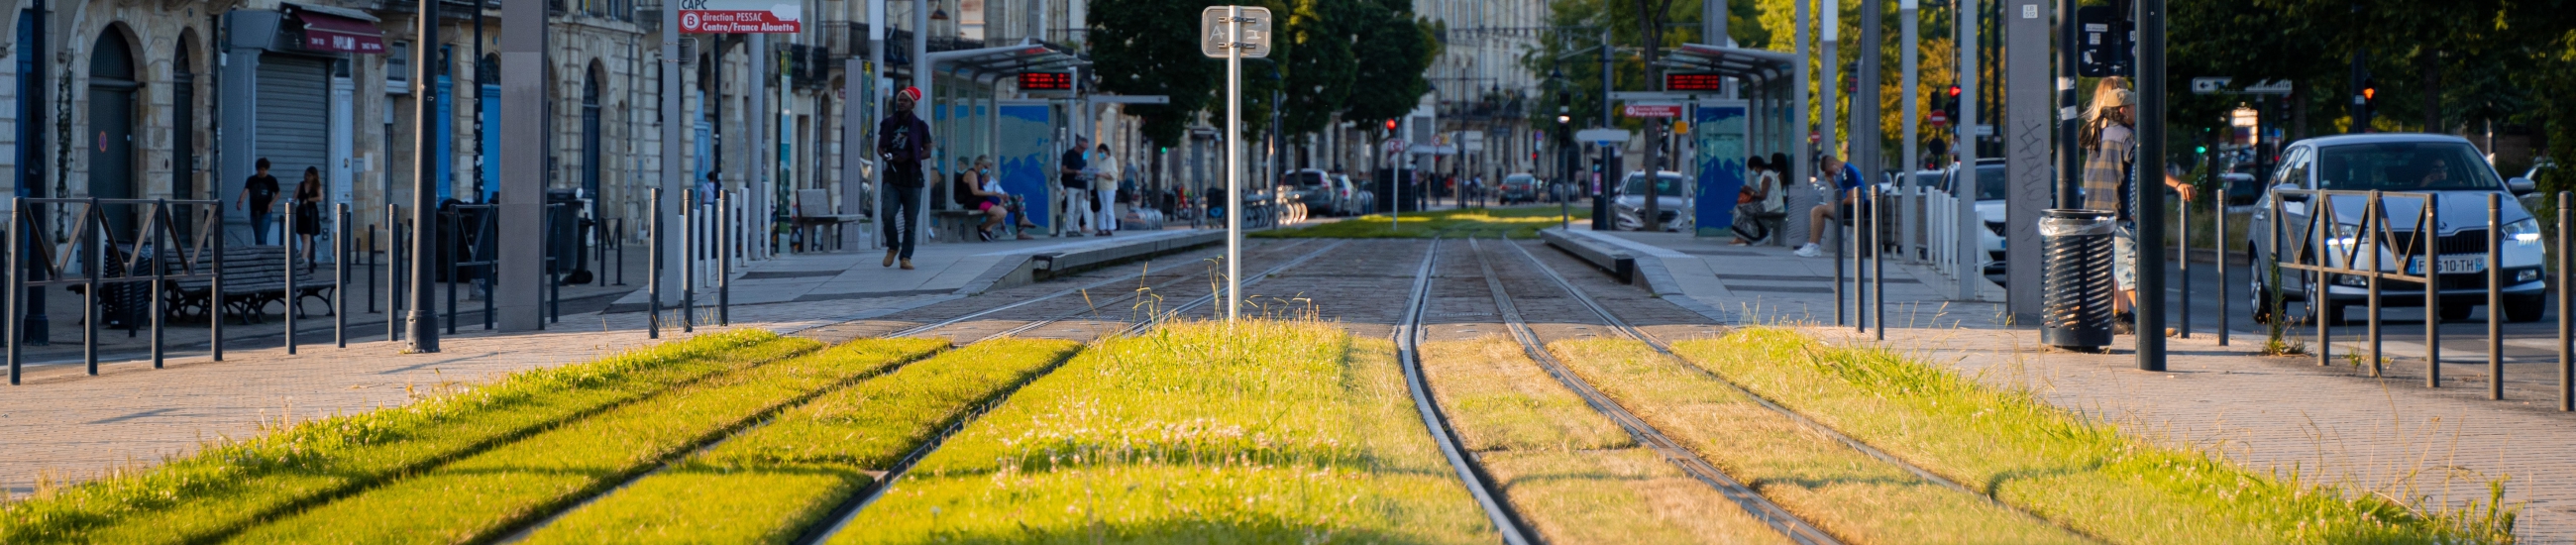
x=1139 y=47
x=1321 y=73
x=1395 y=49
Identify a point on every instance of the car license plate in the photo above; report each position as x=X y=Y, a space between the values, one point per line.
x=2449 y=265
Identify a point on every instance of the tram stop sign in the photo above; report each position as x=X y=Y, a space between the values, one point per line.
x=1255 y=42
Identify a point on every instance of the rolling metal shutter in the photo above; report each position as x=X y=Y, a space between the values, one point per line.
x=294 y=118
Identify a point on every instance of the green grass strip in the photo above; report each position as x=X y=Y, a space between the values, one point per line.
x=1843 y=491
x=481 y=496
x=1262 y=432
x=227 y=486
x=1516 y=222
x=770 y=484
x=2084 y=473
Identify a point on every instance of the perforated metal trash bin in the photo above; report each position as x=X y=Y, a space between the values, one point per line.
x=2076 y=313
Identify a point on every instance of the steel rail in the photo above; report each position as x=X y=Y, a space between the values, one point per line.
x=1666 y=350
x=1753 y=503
x=1408 y=339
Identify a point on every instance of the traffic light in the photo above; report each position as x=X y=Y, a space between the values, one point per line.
x=1390 y=125
x=2370 y=95
x=1950 y=107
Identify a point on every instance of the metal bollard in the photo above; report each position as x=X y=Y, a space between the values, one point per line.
x=2566 y=361
x=96 y=258
x=2318 y=309
x=339 y=276
x=17 y=289
x=215 y=291
x=447 y=250
x=1877 y=269
x=725 y=217
x=1839 y=295
x=2374 y=218
x=2182 y=327
x=2432 y=291
x=618 y=235
x=2495 y=296
x=160 y=277
x=653 y=269
x=2219 y=226
x=689 y=262
x=287 y=244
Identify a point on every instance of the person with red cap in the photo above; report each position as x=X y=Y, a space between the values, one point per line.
x=903 y=142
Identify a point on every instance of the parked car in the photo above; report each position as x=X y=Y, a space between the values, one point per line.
x=1305 y=191
x=2241 y=189
x=2460 y=181
x=1672 y=199
x=1990 y=210
x=1352 y=199
x=1518 y=188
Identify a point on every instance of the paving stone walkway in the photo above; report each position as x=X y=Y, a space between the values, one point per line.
x=2386 y=436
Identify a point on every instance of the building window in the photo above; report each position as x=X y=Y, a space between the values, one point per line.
x=398 y=67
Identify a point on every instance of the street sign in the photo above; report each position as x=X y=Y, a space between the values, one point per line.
x=2109 y=41
x=2218 y=86
x=1256 y=32
x=1652 y=110
x=1601 y=135
x=1395 y=146
x=1937 y=118
x=740 y=17
x=1985 y=130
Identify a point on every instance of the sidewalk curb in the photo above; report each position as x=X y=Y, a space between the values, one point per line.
x=1649 y=273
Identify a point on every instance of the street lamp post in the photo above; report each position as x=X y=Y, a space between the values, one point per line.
x=424 y=192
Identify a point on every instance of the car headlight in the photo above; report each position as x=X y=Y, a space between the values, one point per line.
x=2344 y=235
x=2523 y=232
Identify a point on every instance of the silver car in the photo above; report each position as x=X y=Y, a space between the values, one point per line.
x=2445 y=166
x=1671 y=204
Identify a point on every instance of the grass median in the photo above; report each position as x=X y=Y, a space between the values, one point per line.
x=1843 y=491
x=478 y=497
x=1516 y=222
x=770 y=484
x=1573 y=475
x=1195 y=432
x=2064 y=466
x=227 y=486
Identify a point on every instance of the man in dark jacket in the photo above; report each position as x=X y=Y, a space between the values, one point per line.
x=903 y=142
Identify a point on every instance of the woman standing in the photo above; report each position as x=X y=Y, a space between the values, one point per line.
x=308 y=212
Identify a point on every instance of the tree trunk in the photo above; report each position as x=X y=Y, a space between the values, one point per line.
x=2431 y=62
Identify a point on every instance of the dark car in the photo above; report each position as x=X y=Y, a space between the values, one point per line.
x=1519 y=188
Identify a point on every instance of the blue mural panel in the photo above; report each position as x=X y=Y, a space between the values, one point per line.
x=1718 y=130
x=1026 y=155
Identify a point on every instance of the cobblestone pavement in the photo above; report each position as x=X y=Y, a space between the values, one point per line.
x=2331 y=424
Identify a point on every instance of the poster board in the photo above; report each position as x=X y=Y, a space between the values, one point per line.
x=1717 y=132
x=1024 y=154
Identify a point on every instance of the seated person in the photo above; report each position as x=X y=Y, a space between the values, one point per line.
x=2436 y=172
x=973 y=189
x=1843 y=204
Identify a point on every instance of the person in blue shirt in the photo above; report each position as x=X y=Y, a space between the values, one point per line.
x=1846 y=178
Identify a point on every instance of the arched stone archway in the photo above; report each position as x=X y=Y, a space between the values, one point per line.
x=115 y=82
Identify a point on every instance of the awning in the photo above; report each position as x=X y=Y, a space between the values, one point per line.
x=1735 y=62
x=327 y=32
x=1004 y=61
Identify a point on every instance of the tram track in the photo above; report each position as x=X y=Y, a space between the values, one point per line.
x=1471 y=472
x=1744 y=496
x=867 y=495
x=1623 y=328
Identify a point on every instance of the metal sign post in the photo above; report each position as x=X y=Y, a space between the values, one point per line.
x=1234 y=32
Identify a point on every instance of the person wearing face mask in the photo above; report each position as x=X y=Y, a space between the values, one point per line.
x=903 y=142
x=1105 y=182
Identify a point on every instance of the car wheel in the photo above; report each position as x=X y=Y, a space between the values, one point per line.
x=2525 y=309
x=2261 y=294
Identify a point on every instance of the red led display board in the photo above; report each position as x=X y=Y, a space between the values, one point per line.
x=1046 y=81
x=1694 y=82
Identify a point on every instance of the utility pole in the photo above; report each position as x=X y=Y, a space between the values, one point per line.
x=2024 y=127
x=1650 y=218
x=1964 y=139
x=1907 y=16
x=858 y=135
x=1805 y=152
x=2150 y=170
x=2070 y=160
x=1832 y=123
x=33 y=147
x=424 y=193
x=520 y=287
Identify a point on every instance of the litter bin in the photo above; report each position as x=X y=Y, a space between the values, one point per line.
x=2077 y=310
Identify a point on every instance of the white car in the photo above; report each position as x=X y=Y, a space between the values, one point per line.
x=1990 y=209
x=2444 y=166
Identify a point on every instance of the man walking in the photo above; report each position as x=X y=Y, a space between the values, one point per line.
x=261 y=192
x=1077 y=187
x=903 y=141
